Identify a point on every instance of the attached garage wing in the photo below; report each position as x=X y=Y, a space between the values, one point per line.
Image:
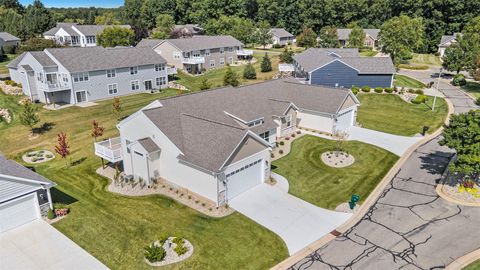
x=345 y=121
x=244 y=178
x=18 y=212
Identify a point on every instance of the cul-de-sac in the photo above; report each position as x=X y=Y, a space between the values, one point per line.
x=239 y=134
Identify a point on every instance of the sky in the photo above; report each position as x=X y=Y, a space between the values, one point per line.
x=77 y=3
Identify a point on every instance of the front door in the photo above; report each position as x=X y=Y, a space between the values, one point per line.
x=148 y=85
x=81 y=96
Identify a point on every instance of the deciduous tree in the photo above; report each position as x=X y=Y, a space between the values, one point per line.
x=63 y=148
x=164 y=26
x=262 y=35
x=29 y=116
x=307 y=38
x=116 y=36
x=97 y=130
x=108 y=18
x=328 y=37
x=116 y=106
x=356 y=38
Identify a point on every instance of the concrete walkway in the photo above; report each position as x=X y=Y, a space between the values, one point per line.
x=37 y=246
x=297 y=222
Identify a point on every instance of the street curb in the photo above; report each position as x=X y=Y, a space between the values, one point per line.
x=371 y=199
x=447 y=197
x=464 y=260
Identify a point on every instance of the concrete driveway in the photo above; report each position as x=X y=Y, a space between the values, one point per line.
x=297 y=222
x=37 y=245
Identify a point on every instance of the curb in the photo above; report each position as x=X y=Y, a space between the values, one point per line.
x=464 y=260
x=371 y=199
x=447 y=197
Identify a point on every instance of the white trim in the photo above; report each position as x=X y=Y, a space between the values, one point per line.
x=50 y=184
x=116 y=89
x=138 y=85
x=239 y=119
x=254 y=136
x=350 y=94
x=86 y=96
x=291 y=105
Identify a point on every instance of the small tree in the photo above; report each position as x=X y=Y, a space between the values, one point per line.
x=204 y=84
x=28 y=116
x=263 y=35
x=249 y=72
x=117 y=106
x=287 y=56
x=328 y=37
x=97 y=130
x=230 y=78
x=454 y=58
x=266 y=64
x=307 y=38
x=63 y=148
x=356 y=37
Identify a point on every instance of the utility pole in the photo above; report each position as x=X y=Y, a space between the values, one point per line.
x=438 y=85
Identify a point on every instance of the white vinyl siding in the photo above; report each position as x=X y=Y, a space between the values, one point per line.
x=222 y=61
x=135 y=85
x=80 y=77
x=112 y=89
x=133 y=70
x=159 y=67
x=111 y=73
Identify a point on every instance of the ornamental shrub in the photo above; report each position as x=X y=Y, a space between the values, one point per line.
x=378 y=90
x=366 y=89
x=50 y=214
x=419 y=92
x=388 y=90
x=178 y=240
x=420 y=99
x=355 y=90
x=266 y=64
x=249 y=72
x=459 y=80
x=154 y=253
x=180 y=249
x=162 y=238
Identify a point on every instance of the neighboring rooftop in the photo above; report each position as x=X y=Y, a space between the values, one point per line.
x=281 y=32
x=8 y=37
x=314 y=58
x=344 y=33
x=449 y=38
x=194 y=43
x=211 y=123
x=194 y=29
x=87 y=30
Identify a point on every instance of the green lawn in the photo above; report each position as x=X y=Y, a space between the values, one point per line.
x=115 y=228
x=472 y=88
x=3 y=68
x=215 y=76
x=407 y=82
x=368 y=53
x=473 y=266
x=310 y=179
x=425 y=59
x=389 y=113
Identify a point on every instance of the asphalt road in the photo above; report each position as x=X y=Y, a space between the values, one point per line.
x=410 y=226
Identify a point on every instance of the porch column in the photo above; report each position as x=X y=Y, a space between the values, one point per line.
x=49 y=196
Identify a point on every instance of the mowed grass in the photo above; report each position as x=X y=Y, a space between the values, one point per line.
x=215 y=76
x=310 y=179
x=368 y=53
x=115 y=228
x=472 y=88
x=389 y=113
x=407 y=82
x=425 y=59
x=473 y=266
x=3 y=68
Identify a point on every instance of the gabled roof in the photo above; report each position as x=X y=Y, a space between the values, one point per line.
x=8 y=37
x=315 y=58
x=87 y=30
x=192 y=28
x=42 y=58
x=14 y=63
x=203 y=42
x=344 y=33
x=12 y=168
x=280 y=32
x=206 y=124
x=448 y=38
x=149 y=42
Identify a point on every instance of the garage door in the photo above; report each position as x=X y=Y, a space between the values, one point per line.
x=18 y=212
x=244 y=178
x=345 y=121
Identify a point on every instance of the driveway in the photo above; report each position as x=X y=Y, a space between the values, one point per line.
x=37 y=245
x=296 y=221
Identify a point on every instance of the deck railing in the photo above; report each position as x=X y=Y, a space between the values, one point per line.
x=110 y=149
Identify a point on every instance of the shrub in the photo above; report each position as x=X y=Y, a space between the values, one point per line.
x=366 y=89
x=50 y=214
x=162 y=238
x=154 y=253
x=9 y=82
x=355 y=90
x=420 y=99
x=204 y=84
x=277 y=46
x=282 y=142
x=459 y=80
x=272 y=155
x=230 y=78
x=249 y=72
x=413 y=67
x=388 y=90
x=181 y=249
x=299 y=132
x=378 y=90
x=478 y=101
x=280 y=152
x=178 y=240
x=419 y=92
x=9 y=49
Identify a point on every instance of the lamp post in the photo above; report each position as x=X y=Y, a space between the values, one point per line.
x=438 y=84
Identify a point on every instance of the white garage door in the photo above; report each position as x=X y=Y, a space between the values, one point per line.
x=345 y=121
x=18 y=212
x=244 y=178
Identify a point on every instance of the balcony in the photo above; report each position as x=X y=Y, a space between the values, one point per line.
x=194 y=60
x=244 y=52
x=53 y=87
x=171 y=70
x=110 y=149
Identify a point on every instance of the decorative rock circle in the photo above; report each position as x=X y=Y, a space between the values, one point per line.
x=337 y=159
x=40 y=156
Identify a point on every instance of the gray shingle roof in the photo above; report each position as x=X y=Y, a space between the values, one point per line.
x=93 y=30
x=12 y=168
x=200 y=124
x=448 y=38
x=8 y=37
x=204 y=42
x=192 y=28
x=280 y=32
x=149 y=145
x=99 y=58
x=14 y=63
x=344 y=33
x=314 y=58
x=51 y=32
x=43 y=59
x=149 y=42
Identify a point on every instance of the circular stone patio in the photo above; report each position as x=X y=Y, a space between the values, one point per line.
x=337 y=159
x=39 y=156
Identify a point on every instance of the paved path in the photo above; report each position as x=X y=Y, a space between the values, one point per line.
x=38 y=246
x=410 y=226
x=297 y=222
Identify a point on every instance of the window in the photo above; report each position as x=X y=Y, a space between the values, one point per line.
x=265 y=136
x=222 y=61
x=80 y=77
x=161 y=81
x=40 y=77
x=65 y=77
x=222 y=50
x=230 y=49
x=133 y=70
x=127 y=142
x=196 y=54
x=140 y=154
x=243 y=168
x=256 y=123
x=91 y=39
x=176 y=55
x=111 y=73
x=112 y=89
x=289 y=120
x=159 y=67
x=212 y=63
x=134 y=85
x=207 y=52
x=230 y=60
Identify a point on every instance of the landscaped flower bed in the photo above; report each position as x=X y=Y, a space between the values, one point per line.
x=168 y=250
x=39 y=156
x=337 y=159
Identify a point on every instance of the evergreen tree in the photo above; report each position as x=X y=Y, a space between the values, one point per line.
x=205 y=84
x=266 y=64
x=38 y=19
x=230 y=78
x=249 y=72
x=287 y=56
x=28 y=116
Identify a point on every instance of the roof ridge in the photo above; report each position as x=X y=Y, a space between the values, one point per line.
x=211 y=121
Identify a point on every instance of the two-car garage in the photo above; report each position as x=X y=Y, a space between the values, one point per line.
x=17 y=212
x=244 y=178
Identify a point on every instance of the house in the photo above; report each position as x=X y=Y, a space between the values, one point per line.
x=189 y=29
x=446 y=41
x=371 y=37
x=198 y=53
x=7 y=39
x=343 y=68
x=281 y=37
x=75 y=75
x=217 y=143
x=77 y=35
x=24 y=195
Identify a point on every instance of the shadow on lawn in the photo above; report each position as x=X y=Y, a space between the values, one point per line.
x=43 y=128
x=61 y=197
x=78 y=161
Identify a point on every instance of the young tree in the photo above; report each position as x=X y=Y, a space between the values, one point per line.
x=286 y=56
x=307 y=38
x=263 y=36
x=463 y=135
x=205 y=84
x=249 y=72
x=230 y=78
x=266 y=64
x=97 y=130
x=63 y=148
x=328 y=37
x=116 y=36
x=356 y=37
x=117 y=106
x=401 y=35
x=28 y=116
x=164 y=26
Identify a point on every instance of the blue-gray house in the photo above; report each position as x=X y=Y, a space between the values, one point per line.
x=343 y=68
